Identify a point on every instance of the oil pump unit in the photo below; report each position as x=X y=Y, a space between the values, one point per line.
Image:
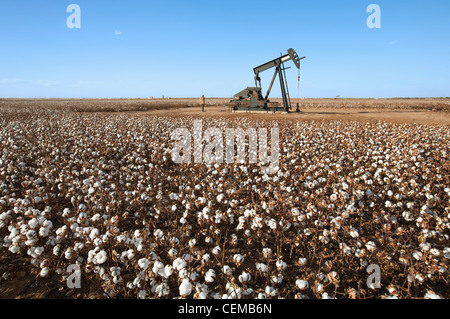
x=252 y=99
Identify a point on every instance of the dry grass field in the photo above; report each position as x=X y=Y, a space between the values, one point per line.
x=91 y=184
x=124 y=105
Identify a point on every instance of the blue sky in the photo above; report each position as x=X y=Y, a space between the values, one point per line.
x=189 y=48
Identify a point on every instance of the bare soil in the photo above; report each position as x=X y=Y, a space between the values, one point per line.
x=318 y=114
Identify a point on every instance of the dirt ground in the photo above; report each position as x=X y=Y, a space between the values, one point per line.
x=419 y=111
x=318 y=114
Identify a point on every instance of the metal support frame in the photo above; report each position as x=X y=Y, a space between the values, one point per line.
x=280 y=70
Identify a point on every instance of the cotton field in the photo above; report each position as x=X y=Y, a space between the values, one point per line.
x=99 y=193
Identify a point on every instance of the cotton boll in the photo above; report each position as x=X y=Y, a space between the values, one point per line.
x=179 y=264
x=281 y=265
x=262 y=295
x=192 y=242
x=162 y=289
x=183 y=273
x=173 y=252
x=14 y=249
x=354 y=233
x=302 y=261
x=227 y=270
x=435 y=252
x=185 y=288
x=101 y=257
x=166 y=272
x=431 y=295
x=130 y=254
x=44 y=272
x=157 y=266
x=143 y=263
x=277 y=279
x=44 y=231
x=425 y=246
x=202 y=293
x=216 y=250
x=417 y=255
x=68 y=254
x=333 y=277
x=31 y=242
x=206 y=258
x=159 y=233
x=261 y=267
x=94 y=233
x=319 y=287
x=220 y=197
x=371 y=246
x=244 y=277
x=65 y=212
x=96 y=217
x=142 y=294
x=267 y=252
x=33 y=223
x=301 y=284
x=115 y=271
x=193 y=276
x=56 y=250
x=140 y=246
x=39 y=250
x=419 y=278
x=188 y=257
x=31 y=234
x=210 y=275
x=326 y=296
x=47 y=223
x=61 y=231
x=269 y=291
x=446 y=251
x=272 y=224
x=238 y=259
x=131 y=285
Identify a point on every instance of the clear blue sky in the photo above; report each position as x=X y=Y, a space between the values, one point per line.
x=188 y=48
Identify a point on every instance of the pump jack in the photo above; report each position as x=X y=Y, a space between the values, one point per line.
x=251 y=98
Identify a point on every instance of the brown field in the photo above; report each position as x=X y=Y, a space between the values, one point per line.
x=420 y=111
x=91 y=182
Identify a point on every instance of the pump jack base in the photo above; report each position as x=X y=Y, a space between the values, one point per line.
x=260 y=110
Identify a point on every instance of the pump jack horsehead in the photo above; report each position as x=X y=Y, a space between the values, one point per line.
x=251 y=98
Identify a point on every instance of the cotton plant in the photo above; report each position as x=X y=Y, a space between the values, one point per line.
x=108 y=197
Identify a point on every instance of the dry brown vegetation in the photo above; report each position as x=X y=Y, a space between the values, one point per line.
x=127 y=105
x=100 y=190
x=104 y=105
x=410 y=104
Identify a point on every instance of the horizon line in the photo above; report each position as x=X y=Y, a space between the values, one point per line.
x=217 y=97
